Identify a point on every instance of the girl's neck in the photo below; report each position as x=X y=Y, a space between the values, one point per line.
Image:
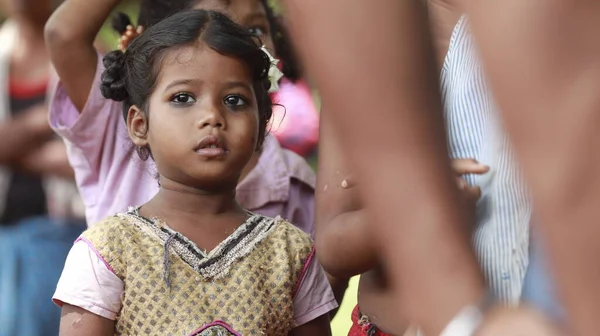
x=251 y=165
x=182 y=201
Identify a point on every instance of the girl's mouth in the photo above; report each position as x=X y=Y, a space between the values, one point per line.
x=211 y=146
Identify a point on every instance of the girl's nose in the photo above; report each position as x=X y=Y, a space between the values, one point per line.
x=211 y=117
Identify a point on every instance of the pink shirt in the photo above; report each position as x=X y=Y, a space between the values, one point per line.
x=111 y=177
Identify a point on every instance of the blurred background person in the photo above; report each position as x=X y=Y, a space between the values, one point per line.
x=40 y=211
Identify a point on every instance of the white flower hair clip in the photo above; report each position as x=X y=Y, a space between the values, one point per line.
x=274 y=73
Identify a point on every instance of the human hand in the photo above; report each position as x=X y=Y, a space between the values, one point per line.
x=468 y=166
x=128 y=36
x=460 y=167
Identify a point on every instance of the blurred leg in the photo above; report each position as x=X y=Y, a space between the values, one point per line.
x=36 y=250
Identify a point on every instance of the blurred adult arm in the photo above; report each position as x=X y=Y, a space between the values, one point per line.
x=344 y=242
x=542 y=58
x=374 y=66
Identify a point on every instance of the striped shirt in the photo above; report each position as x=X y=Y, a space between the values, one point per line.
x=501 y=235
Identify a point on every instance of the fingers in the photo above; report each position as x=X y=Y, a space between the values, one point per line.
x=470 y=192
x=468 y=166
x=128 y=36
x=473 y=193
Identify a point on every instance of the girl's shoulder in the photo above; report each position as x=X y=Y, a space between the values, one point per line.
x=287 y=237
x=110 y=239
x=283 y=228
x=110 y=228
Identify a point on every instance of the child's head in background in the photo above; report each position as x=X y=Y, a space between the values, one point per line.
x=35 y=12
x=196 y=89
x=255 y=15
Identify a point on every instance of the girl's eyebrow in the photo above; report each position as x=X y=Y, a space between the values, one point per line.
x=181 y=82
x=229 y=85
x=239 y=84
x=227 y=3
x=255 y=15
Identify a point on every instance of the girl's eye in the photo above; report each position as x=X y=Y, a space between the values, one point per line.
x=235 y=101
x=182 y=98
x=257 y=31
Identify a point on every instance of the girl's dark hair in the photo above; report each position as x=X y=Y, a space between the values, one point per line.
x=131 y=76
x=283 y=46
x=153 y=11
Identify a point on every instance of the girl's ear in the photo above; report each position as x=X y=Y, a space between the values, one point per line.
x=137 y=126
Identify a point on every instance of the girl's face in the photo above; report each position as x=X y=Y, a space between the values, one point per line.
x=250 y=14
x=203 y=119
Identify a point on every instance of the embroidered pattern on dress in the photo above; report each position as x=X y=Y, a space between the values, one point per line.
x=217 y=328
x=216 y=264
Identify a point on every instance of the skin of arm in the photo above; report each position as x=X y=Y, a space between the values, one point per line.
x=70 y=34
x=23 y=134
x=443 y=16
x=542 y=58
x=339 y=214
x=75 y=321
x=49 y=159
x=384 y=101
x=317 y=327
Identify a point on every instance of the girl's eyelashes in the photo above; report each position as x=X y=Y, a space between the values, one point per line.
x=235 y=101
x=182 y=98
x=232 y=101
x=258 y=31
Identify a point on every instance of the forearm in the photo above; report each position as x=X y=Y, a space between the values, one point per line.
x=19 y=136
x=48 y=160
x=543 y=61
x=443 y=16
x=391 y=125
x=356 y=255
x=70 y=35
x=339 y=211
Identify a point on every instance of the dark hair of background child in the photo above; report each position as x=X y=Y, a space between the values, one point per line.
x=153 y=11
x=130 y=77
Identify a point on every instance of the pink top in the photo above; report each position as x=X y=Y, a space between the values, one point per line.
x=295 y=121
x=88 y=283
x=111 y=177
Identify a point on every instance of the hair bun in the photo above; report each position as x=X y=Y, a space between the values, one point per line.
x=120 y=22
x=112 y=80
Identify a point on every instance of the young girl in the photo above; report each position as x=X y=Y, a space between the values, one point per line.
x=295 y=122
x=195 y=86
x=275 y=182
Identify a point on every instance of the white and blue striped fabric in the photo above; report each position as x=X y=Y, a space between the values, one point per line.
x=501 y=235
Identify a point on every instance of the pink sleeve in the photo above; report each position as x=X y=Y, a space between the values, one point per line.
x=109 y=174
x=314 y=296
x=300 y=209
x=94 y=136
x=88 y=283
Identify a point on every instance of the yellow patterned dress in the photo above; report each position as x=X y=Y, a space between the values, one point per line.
x=245 y=286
